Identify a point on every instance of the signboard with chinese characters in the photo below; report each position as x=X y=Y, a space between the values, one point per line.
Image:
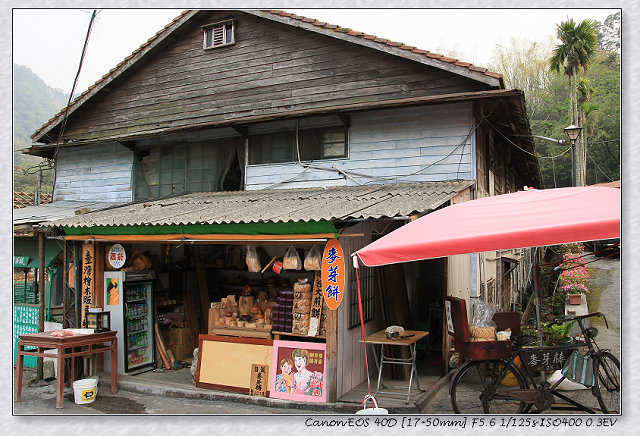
x=333 y=274
x=297 y=371
x=20 y=261
x=315 y=314
x=546 y=358
x=259 y=380
x=117 y=256
x=88 y=268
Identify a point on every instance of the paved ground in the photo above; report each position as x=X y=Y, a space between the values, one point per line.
x=39 y=399
x=606 y=275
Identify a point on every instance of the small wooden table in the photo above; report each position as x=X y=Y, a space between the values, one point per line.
x=408 y=338
x=66 y=347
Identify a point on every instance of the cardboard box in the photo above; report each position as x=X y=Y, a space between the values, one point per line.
x=180 y=336
x=181 y=351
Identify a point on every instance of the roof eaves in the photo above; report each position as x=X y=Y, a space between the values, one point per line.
x=397 y=48
x=115 y=72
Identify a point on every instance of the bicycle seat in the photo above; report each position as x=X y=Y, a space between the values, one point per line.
x=523 y=339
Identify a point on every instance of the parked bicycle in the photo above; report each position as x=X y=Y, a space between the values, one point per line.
x=513 y=385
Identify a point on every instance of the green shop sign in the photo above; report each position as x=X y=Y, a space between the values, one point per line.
x=20 y=261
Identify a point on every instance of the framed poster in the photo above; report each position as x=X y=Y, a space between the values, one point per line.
x=298 y=370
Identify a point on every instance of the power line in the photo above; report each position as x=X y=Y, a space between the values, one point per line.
x=75 y=82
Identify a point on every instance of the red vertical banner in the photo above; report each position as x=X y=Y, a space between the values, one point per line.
x=333 y=274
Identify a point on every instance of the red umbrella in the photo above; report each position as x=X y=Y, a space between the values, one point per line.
x=522 y=219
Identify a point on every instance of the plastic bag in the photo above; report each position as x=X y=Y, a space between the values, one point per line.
x=483 y=314
x=482 y=326
x=253 y=261
x=313 y=260
x=292 y=259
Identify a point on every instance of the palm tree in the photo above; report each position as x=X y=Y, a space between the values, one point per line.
x=578 y=45
x=584 y=92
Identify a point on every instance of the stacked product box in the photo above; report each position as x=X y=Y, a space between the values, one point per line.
x=282 y=312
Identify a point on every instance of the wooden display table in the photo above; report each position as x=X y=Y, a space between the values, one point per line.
x=408 y=338
x=66 y=346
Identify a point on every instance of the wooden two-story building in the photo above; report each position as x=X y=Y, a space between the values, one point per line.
x=230 y=128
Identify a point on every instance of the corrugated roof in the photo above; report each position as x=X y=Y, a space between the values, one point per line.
x=336 y=31
x=56 y=210
x=282 y=205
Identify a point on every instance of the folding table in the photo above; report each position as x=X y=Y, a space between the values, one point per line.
x=408 y=338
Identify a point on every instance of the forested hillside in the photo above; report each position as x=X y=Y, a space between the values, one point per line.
x=525 y=65
x=34 y=103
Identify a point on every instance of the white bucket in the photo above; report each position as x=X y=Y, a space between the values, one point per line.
x=85 y=390
x=371 y=411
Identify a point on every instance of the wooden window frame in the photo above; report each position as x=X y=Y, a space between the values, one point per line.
x=368 y=286
x=223 y=27
x=303 y=158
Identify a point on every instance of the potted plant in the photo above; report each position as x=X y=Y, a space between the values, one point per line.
x=574 y=292
x=557 y=334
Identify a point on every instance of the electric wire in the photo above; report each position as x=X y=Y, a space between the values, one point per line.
x=75 y=82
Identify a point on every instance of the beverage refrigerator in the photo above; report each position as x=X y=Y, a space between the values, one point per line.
x=129 y=298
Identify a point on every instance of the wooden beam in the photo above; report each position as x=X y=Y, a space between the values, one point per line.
x=187 y=237
x=205 y=302
x=242 y=130
x=43 y=150
x=41 y=296
x=98 y=289
x=131 y=145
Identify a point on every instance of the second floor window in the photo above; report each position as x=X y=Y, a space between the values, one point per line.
x=304 y=145
x=187 y=167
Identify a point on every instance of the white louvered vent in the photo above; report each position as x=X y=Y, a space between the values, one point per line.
x=218 y=35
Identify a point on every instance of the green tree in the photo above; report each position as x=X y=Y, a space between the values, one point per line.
x=578 y=45
x=584 y=92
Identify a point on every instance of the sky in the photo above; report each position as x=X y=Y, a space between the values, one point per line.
x=470 y=34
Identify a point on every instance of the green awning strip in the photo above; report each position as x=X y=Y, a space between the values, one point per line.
x=28 y=248
x=291 y=228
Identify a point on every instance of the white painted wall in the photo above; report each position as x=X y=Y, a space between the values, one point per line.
x=101 y=172
x=420 y=144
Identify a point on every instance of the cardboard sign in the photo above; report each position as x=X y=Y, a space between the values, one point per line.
x=259 y=380
x=447 y=306
x=333 y=274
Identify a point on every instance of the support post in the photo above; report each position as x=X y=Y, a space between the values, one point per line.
x=41 y=298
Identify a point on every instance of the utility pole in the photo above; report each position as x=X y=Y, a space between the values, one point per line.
x=38 y=195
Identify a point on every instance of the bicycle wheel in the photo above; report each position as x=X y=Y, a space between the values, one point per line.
x=478 y=380
x=607 y=388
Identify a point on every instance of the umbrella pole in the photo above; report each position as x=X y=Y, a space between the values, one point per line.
x=538 y=301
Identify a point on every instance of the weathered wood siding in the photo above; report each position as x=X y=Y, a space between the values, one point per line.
x=351 y=365
x=272 y=68
x=421 y=144
x=94 y=173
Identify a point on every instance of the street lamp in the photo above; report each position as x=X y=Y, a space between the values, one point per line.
x=573 y=132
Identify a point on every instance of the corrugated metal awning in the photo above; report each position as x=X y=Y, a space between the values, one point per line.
x=55 y=211
x=308 y=205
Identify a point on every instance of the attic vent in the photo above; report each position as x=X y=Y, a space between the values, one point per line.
x=218 y=34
